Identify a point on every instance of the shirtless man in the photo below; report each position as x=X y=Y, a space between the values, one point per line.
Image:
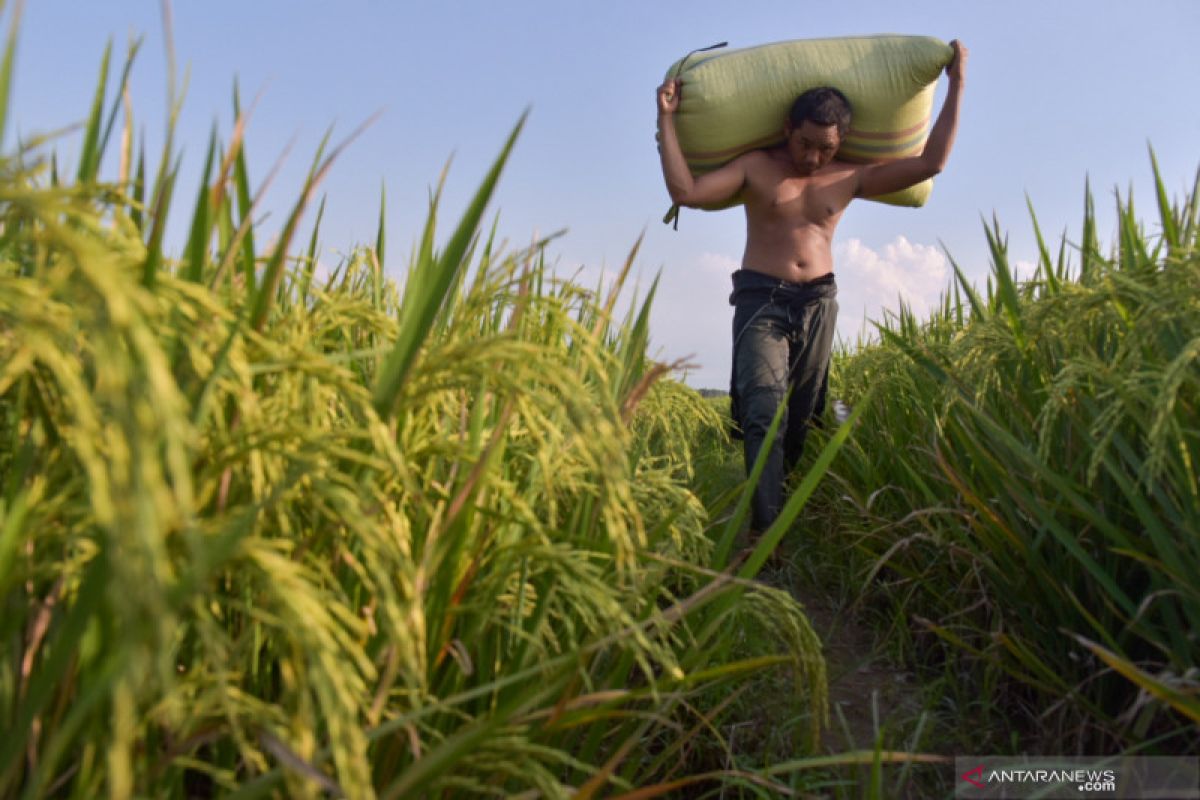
x=784 y=296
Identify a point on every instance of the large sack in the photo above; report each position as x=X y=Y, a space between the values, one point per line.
x=738 y=100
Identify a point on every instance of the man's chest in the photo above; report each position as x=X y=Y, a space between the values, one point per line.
x=817 y=200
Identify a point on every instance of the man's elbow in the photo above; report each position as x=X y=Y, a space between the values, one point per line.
x=682 y=197
x=929 y=168
x=934 y=163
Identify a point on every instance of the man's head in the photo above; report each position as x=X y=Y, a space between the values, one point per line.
x=816 y=126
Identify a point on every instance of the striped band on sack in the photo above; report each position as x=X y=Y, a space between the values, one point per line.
x=858 y=146
x=868 y=146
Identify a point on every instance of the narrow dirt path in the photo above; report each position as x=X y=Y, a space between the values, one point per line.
x=868 y=695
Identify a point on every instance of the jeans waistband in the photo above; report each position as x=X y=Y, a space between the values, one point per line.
x=749 y=285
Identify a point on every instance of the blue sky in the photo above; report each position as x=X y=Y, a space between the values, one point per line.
x=1056 y=91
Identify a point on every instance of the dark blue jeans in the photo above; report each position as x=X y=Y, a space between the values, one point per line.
x=782 y=339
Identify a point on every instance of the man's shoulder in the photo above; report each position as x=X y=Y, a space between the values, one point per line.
x=763 y=153
x=847 y=166
x=761 y=161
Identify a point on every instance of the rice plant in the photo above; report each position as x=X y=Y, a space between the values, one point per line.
x=1033 y=528
x=268 y=529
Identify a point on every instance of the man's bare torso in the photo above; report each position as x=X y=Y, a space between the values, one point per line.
x=790 y=218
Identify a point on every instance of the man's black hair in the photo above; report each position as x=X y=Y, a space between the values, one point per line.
x=823 y=105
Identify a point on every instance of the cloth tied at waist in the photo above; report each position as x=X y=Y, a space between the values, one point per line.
x=759 y=288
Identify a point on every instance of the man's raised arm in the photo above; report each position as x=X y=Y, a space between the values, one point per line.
x=714 y=187
x=892 y=176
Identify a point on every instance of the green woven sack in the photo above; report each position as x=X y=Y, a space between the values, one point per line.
x=737 y=100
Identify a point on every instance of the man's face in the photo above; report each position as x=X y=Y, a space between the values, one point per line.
x=812 y=146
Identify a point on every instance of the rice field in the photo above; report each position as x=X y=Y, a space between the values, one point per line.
x=272 y=530
x=1032 y=537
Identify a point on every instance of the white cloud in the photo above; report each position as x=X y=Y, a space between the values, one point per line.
x=691 y=318
x=871 y=282
x=1023 y=270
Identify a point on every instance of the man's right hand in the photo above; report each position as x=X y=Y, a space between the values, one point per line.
x=714 y=187
x=956 y=70
x=668 y=96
